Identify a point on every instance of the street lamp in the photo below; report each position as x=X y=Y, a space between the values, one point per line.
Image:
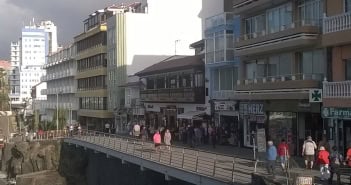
x=57 y=110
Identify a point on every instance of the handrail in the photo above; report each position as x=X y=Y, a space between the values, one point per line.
x=215 y=165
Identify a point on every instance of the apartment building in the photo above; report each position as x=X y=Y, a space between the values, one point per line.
x=61 y=86
x=142 y=34
x=337 y=87
x=282 y=59
x=92 y=72
x=28 y=55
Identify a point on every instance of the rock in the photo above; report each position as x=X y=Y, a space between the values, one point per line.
x=41 y=178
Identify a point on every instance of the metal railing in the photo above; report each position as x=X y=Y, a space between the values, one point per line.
x=337 y=89
x=42 y=136
x=218 y=166
x=282 y=78
x=337 y=23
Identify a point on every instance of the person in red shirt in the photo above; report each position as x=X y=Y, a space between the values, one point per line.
x=348 y=156
x=283 y=152
x=323 y=161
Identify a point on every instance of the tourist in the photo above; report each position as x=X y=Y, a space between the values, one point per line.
x=213 y=136
x=308 y=151
x=271 y=158
x=348 y=158
x=157 y=141
x=335 y=162
x=144 y=134
x=167 y=139
x=323 y=161
x=71 y=130
x=136 y=130
x=283 y=152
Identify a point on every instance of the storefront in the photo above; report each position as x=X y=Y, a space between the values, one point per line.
x=339 y=126
x=226 y=117
x=253 y=117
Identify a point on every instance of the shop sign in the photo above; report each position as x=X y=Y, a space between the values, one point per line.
x=330 y=112
x=304 y=181
x=261 y=140
x=315 y=95
x=251 y=108
x=225 y=105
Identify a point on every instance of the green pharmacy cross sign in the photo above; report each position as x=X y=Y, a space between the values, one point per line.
x=315 y=95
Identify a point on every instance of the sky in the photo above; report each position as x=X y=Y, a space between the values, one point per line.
x=67 y=15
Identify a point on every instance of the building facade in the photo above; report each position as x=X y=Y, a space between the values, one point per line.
x=136 y=41
x=61 y=69
x=281 y=61
x=337 y=87
x=174 y=93
x=28 y=57
x=92 y=72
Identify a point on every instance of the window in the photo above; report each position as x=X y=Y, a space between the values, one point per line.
x=348 y=70
x=347 y=5
x=254 y=25
x=310 y=11
x=225 y=78
x=279 y=18
x=313 y=62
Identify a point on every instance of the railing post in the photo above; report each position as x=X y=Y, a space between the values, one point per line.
x=109 y=141
x=127 y=146
x=233 y=169
x=197 y=160
x=133 y=147
x=159 y=155
x=120 y=144
x=142 y=149
x=170 y=157
x=114 y=143
x=183 y=158
x=214 y=166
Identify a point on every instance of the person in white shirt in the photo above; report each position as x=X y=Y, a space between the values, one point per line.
x=308 y=151
x=136 y=130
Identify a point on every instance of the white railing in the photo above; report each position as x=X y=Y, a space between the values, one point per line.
x=337 y=89
x=337 y=23
x=281 y=78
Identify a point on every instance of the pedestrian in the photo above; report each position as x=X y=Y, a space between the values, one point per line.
x=167 y=139
x=323 y=161
x=324 y=142
x=71 y=130
x=348 y=158
x=136 y=130
x=283 y=152
x=271 y=158
x=157 y=141
x=144 y=134
x=308 y=151
x=213 y=136
x=79 y=130
x=335 y=162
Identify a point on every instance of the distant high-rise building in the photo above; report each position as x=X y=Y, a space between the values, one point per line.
x=28 y=55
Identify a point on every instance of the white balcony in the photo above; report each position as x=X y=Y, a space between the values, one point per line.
x=337 y=89
x=337 y=23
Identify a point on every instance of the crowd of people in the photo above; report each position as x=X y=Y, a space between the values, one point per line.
x=330 y=160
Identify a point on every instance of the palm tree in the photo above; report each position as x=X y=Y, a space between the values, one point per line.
x=4 y=89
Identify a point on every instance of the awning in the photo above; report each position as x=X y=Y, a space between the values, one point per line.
x=191 y=115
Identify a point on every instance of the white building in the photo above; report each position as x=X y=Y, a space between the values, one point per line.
x=61 y=69
x=14 y=75
x=141 y=35
x=37 y=41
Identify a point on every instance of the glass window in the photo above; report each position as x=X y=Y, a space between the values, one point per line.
x=347 y=5
x=216 y=79
x=226 y=78
x=279 y=18
x=348 y=69
x=310 y=11
x=285 y=64
x=313 y=62
x=251 y=70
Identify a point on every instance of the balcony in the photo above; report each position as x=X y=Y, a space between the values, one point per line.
x=248 y=6
x=44 y=92
x=178 y=95
x=296 y=35
x=224 y=21
x=337 y=29
x=337 y=94
x=294 y=86
x=223 y=95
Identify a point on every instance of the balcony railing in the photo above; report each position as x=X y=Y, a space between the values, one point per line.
x=223 y=94
x=174 y=95
x=337 y=23
x=337 y=89
x=282 y=78
x=265 y=32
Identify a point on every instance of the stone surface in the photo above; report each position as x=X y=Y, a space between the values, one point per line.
x=41 y=178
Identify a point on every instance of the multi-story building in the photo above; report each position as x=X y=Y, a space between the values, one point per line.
x=61 y=70
x=14 y=75
x=136 y=41
x=337 y=87
x=174 y=89
x=281 y=61
x=222 y=69
x=37 y=41
x=92 y=72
